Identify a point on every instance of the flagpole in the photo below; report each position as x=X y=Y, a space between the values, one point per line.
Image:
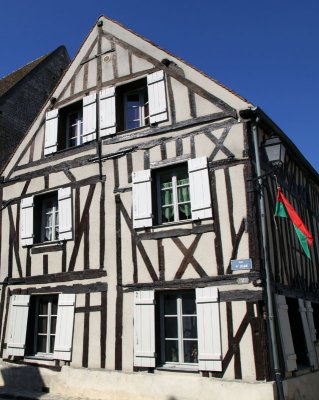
x=270 y=306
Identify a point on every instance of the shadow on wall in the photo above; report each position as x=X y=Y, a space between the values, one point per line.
x=171 y=398
x=23 y=377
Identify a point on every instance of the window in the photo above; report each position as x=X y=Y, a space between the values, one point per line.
x=70 y=126
x=188 y=334
x=178 y=322
x=41 y=328
x=172 y=194
x=47 y=217
x=132 y=109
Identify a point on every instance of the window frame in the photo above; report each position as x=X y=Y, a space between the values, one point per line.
x=142 y=107
x=180 y=363
x=79 y=128
x=172 y=170
x=48 y=334
x=54 y=226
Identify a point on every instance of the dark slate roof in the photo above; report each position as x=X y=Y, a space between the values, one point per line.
x=8 y=81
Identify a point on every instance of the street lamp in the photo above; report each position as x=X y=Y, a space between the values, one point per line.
x=275 y=151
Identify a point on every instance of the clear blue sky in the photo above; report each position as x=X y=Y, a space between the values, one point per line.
x=267 y=51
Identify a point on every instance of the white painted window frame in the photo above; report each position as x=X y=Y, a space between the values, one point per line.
x=54 y=225
x=175 y=204
x=141 y=107
x=48 y=334
x=180 y=338
x=78 y=127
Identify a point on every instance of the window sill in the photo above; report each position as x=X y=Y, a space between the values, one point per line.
x=39 y=357
x=45 y=247
x=181 y=228
x=178 y=368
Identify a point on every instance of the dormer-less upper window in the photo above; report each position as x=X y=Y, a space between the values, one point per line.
x=136 y=109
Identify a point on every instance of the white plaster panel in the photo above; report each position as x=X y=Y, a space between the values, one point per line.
x=92 y=72
x=58 y=179
x=170 y=149
x=181 y=100
x=205 y=107
x=38 y=144
x=150 y=247
x=122 y=168
x=77 y=337
x=36 y=184
x=155 y=154
x=139 y=64
x=13 y=191
x=94 y=231
x=203 y=146
x=247 y=358
x=235 y=140
x=122 y=61
x=111 y=313
x=223 y=215
x=78 y=84
x=173 y=259
x=94 y=359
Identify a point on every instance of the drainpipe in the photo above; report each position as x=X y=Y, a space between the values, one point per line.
x=270 y=306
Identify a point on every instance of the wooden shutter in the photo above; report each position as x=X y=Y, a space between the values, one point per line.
x=309 y=311
x=26 y=223
x=64 y=327
x=65 y=213
x=199 y=188
x=107 y=111
x=51 y=132
x=312 y=356
x=285 y=333
x=208 y=328
x=89 y=118
x=157 y=97
x=142 y=199
x=18 y=325
x=144 y=329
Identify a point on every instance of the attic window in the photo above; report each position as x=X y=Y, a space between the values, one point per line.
x=132 y=110
x=70 y=130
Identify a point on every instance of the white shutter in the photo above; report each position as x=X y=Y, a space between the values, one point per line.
x=199 y=188
x=144 y=329
x=312 y=356
x=64 y=327
x=309 y=311
x=51 y=132
x=142 y=198
x=89 y=118
x=18 y=325
x=65 y=213
x=208 y=328
x=26 y=222
x=107 y=111
x=157 y=97
x=285 y=333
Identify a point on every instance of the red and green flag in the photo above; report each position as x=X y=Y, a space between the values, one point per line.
x=285 y=209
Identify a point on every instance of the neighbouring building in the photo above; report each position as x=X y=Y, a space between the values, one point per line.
x=131 y=242
x=22 y=95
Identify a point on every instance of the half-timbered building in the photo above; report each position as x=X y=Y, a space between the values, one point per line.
x=131 y=256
